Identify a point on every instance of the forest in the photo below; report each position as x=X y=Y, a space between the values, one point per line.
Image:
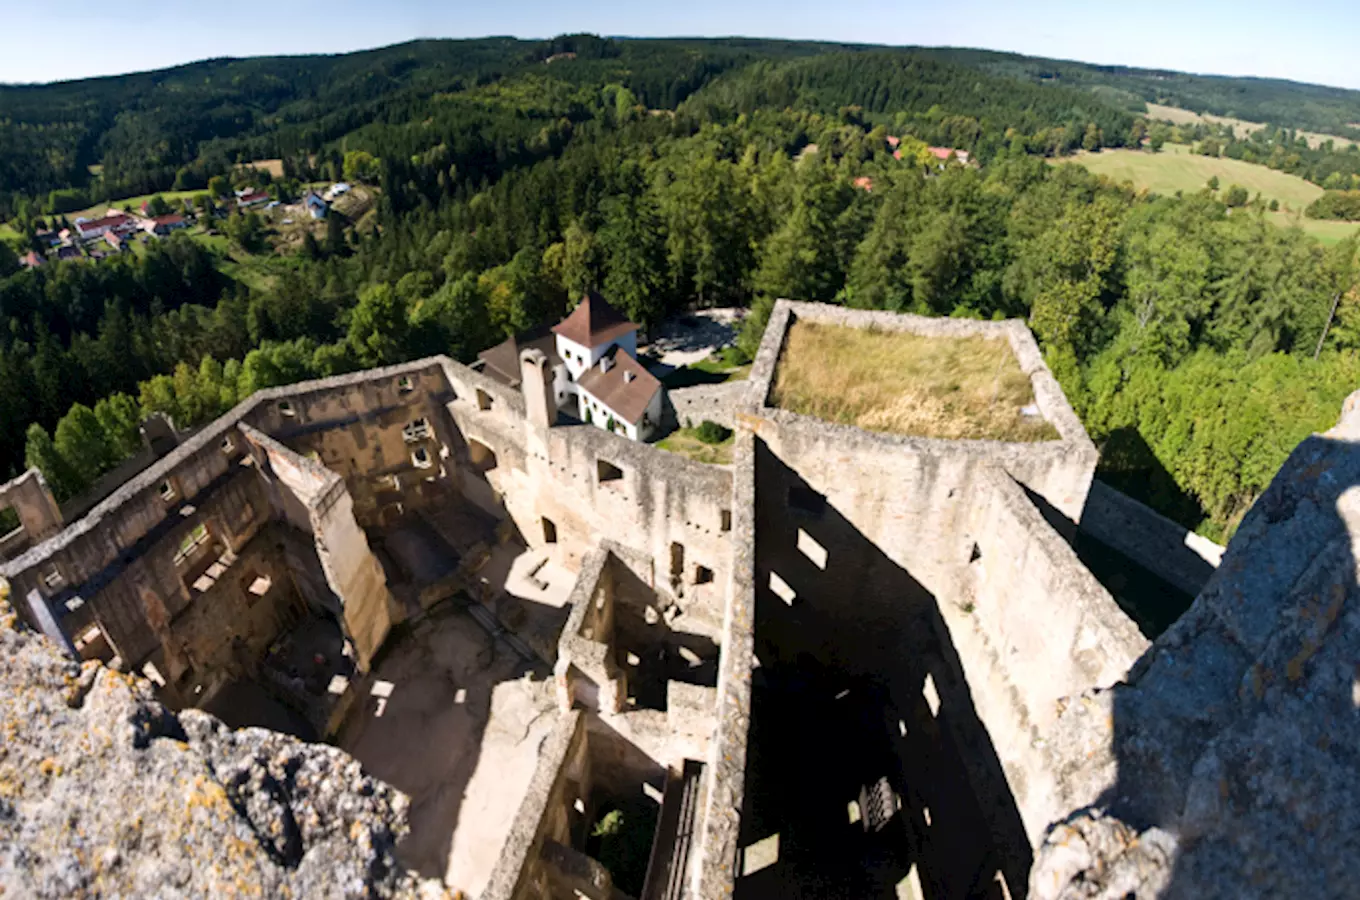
x=1198 y=343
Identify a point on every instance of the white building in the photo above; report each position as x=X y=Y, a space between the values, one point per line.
x=596 y=375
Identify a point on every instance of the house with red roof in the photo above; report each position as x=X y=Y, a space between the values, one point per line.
x=89 y=229
x=598 y=348
x=252 y=198
x=597 y=378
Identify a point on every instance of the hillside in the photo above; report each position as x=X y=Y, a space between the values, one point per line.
x=1175 y=169
x=1291 y=104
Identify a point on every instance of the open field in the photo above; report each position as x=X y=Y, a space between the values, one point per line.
x=273 y=166
x=1177 y=169
x=955 y=388
x=1177 y=116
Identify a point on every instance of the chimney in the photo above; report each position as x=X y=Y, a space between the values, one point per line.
x=536 y=382
x=605 y=363
x=628 y=377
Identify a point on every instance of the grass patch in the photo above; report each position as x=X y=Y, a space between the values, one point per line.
x=727 y=364
x=691 y=443
x=1177 y=169
x=901 y=383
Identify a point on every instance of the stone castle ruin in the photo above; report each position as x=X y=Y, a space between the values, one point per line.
x=557 y=663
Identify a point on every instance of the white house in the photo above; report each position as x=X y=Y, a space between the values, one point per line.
x=596 y=375
x=598 y=348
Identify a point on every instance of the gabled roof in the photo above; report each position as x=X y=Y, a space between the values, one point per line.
x=626 y=388
x=594 y=322
x=502 y=360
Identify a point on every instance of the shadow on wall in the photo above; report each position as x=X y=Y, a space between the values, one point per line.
x=1128 y=464
x=858 y=681
x=1236 y=732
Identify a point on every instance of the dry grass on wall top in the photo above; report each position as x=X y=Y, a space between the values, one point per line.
x=953 y=388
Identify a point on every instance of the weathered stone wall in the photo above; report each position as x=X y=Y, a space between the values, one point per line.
x=668 y=509
x=714 y=402
x=545 y=814
x=176 y=805
x=1033 y=628
x=1156 y=543
x=352 y=572
x=1224 y=765
x=32 y=502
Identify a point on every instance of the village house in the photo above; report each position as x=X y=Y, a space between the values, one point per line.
x=163 y=225
x=31 y=260
x=338 y=189
x=114 y=240
x=248 y=199
x=598 y=346
x=316 y=207
x=596 y=376
x=89 y=229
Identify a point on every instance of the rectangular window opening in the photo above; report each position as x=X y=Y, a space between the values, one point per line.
x=9 y=520
x=725 y=519
x=803 y=499
x=228 y=445
x=416 y=430
x=286 y=408
x=703 y=575
x=53 y=578
x=404 y=385
x=549 y=531
x=195 y=538
x=808 y=546
x=781 y=589
x=421 y=458
x=606 y=471
x=168 y=492
x=483 y=457
x=484 y=400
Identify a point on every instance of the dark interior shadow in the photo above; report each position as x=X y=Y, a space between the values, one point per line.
x=848 y=673
x=663 y=655
x=1151 y=601
x=1128 y=464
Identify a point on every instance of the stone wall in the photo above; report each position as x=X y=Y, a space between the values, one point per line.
x=32 y=502
x=352 y=572
x=1156 y=543
x=1223 y=765
x=714 y=402
x=1033 y=628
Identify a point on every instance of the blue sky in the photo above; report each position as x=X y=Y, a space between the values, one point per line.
x=1313 y=41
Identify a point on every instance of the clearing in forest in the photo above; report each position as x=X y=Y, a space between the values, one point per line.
x=1177 y=116
x=903 y=383
x=1175 y=168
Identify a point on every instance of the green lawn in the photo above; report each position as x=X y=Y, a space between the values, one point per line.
x=686 y=443
x=1177 y=169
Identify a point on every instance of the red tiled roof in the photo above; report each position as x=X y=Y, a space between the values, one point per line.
x=594 y=322
x=893 y=141
x=626 y=388
x=253 y=197
x=864 y=181
x=168 y=220
x=107 y=221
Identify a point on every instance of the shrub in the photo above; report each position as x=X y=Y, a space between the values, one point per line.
x=711 y=432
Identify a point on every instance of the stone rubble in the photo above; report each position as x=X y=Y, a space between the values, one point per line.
x=106 y=793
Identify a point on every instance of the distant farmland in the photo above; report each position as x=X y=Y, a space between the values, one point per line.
x=1176 y=169
x=1177 y=116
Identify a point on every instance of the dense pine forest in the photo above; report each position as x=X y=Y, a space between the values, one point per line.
x=1198 y=342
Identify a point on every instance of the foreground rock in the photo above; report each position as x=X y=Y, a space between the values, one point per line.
x=1225 y=765
x=104 y=792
